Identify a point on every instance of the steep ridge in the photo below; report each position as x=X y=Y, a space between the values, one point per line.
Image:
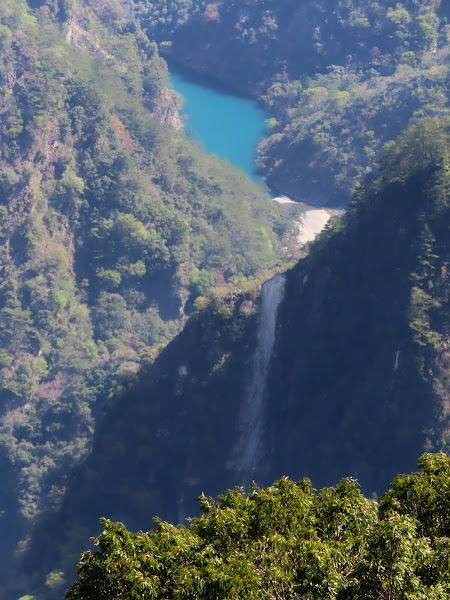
x=356 y=380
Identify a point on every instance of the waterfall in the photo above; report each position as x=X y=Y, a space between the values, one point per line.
x=249 y=448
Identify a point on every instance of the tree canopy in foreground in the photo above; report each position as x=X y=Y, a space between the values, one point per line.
x=287 y=541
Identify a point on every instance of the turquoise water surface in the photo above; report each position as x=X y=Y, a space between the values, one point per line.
x=226 y=125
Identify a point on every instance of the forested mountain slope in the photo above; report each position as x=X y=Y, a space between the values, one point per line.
x=357 y=382
x=112 y=223
x=340 y=78
x=114 y=227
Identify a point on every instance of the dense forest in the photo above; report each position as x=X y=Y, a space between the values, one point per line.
x=287 y=541
x=338 y=78
x=112 y=224
x=131 y=263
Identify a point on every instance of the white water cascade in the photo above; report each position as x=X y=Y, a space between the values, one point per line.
x=249 y=448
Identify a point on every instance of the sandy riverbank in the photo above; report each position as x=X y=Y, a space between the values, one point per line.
x=312 y=223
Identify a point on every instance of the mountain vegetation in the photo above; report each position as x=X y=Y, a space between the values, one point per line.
x=118 y=234
x=156 y=444
x=357 y=384
x=338 y=78
x=287 y=541
x=112 y=223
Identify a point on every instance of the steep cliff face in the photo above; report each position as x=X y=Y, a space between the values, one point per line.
x=339 y=368
x=361 y=371
x=346 y=396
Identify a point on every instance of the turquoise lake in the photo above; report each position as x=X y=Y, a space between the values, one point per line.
x=226 y=125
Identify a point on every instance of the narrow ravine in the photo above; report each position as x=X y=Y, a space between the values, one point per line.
x=249 y=448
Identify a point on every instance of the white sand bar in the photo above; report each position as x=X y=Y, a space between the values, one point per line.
x=313 y=221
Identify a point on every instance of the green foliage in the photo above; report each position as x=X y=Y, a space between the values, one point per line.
x=201 y=281
x=424 y=495
x=105 y=210
x=399 y=16
x=137 y=269
x=110 y=219
x=428 y=24
x=40 y=366
x=285 y=541
x=109 y=278
x=5 y=34
x=421 y=305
